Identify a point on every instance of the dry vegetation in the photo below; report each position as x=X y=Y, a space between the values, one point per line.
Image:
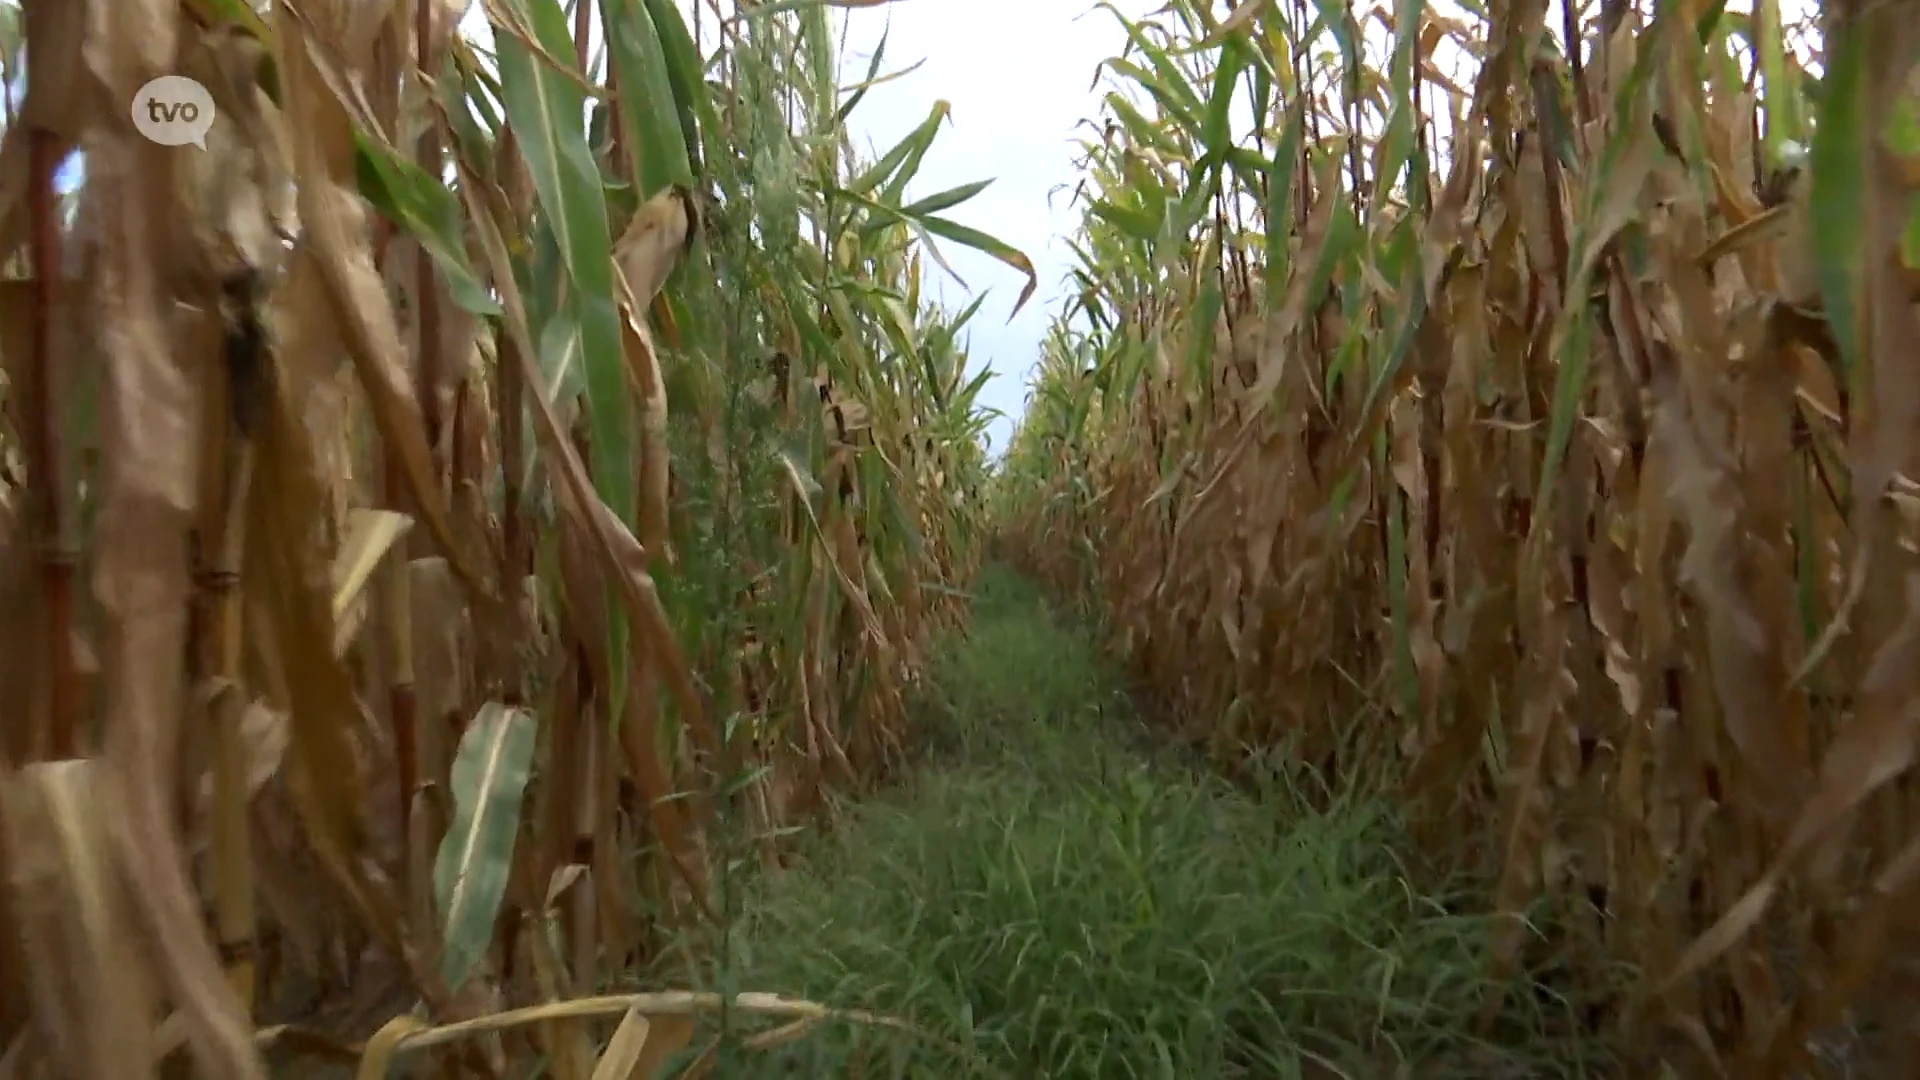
x=454 y=522
x=1537 y=445
x=306 y=623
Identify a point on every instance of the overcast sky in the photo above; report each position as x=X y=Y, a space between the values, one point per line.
x=1019 y=76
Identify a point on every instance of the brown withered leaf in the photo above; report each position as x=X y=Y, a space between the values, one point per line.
x=662 y=230
x=660 y=233
x=92 y=993
x=149 y=414
x=264 y=735
x=447 y=16
x=443 y=662
x=564 y=878
x=409 y=1034
x=376 y=1061
x=370 y=535
x=643 y=366
x=457 y=340
x=336 y=223
x=1747 y=667
x=286 y=574
x=621 y=1058
x=1274 y=365
x=233 y=196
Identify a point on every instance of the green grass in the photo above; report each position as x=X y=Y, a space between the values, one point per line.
x=1048 y=897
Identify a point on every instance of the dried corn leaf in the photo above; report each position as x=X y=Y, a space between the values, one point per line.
x=92 y=993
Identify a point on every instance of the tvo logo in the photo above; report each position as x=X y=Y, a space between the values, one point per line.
x=173 y=110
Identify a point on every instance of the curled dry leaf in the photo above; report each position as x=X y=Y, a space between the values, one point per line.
x=660 y=233
x=149 y=413
x=371 y=534
x=443 y=660
x=376 y=1061
x=264 y=735
x=621 y=1059
x=285 y=571
x=236 y=196
x=643 y=366
x=411 y=1035
x=93 y=995
x=337 y=230
x=446 y=19
x=564 y=878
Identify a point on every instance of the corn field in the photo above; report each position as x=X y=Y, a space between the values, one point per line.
x=1533 y=441
x=488 y=495
x=462 y=445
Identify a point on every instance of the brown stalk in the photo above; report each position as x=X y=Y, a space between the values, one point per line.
x=227 y=464
x=402 y=699
x=589 y=851
x=426 y=296
x=580 y=13
x=58 y=554
x=395 y=593
x=512 y=452
x=402 y=693
x=232 y=841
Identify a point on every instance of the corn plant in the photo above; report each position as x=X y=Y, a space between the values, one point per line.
x=450 y=520
x=1533 y=442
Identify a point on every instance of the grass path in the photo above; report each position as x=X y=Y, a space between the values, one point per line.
x=1043 y=894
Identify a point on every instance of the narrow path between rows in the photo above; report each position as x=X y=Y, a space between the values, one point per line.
x=1042 y=893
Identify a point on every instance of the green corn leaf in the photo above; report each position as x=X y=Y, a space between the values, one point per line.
x=1280 y=219
x=234 y=11
x=1134 y=222
x=903 y=160
x=657 y=135
x=470 y=871
x=858 y=92
x=547 y=111
x=1839 y=161
x=1215 y=127
x=418 y=202
x=1169 y=80
x=1140 y=128
x=947 y=199
x=684 y=74
x=1781 y=96
x=1187 y=120
x=959 y=234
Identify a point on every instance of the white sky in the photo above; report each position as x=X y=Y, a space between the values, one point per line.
x=1019 y=76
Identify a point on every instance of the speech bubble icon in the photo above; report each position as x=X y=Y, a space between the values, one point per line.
x=173 y=110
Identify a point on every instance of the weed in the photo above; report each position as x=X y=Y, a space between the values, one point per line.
x=1061 y=906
